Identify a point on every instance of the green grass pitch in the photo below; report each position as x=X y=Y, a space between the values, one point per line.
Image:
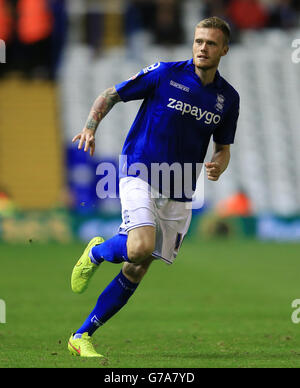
x=222 y=304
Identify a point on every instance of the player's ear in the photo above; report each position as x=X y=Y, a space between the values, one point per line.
x=225 y=50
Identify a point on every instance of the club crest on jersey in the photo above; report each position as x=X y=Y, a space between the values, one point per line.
x=220 y=103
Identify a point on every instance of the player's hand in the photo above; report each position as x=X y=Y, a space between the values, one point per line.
x=87 y=139
x=213 y=170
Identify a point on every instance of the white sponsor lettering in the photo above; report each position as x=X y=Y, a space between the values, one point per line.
x=171 y=104
x=185 y=108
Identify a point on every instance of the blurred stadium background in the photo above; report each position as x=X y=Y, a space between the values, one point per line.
x=61 y=54
x=232 y=306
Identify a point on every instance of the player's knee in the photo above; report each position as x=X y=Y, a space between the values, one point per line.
x=139 y=251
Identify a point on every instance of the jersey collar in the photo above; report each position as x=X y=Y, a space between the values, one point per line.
x=217 y=82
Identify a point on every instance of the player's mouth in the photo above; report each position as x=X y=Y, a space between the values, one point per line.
x=202 y=57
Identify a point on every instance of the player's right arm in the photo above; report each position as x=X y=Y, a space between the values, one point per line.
x=102 y=105
x=137 y=87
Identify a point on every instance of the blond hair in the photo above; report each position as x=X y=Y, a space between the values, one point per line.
x=218 y=23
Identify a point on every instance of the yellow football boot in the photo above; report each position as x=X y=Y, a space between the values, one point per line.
x=84 y=268
x=82 y=347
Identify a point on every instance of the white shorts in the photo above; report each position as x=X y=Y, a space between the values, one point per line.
x=170 y=218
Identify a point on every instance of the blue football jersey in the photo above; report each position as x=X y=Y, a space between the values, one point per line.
x=177 y=118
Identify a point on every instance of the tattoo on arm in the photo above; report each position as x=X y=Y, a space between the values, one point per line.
x=101 y=107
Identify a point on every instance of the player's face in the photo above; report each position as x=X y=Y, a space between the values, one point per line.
x=208 y=48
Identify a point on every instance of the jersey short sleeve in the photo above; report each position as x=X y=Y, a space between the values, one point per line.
x=142 y=84
x=225 y=133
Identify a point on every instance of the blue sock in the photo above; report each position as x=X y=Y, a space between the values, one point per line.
x=112 y=299
x=113 y=250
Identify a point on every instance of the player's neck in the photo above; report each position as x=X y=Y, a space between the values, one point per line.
x=206 y=76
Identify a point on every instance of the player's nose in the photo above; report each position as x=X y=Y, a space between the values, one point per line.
x=203 y=47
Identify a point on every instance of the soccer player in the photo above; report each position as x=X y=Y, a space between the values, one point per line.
x=184 y=105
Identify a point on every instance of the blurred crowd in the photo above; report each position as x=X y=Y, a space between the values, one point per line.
x=255 y=14
x=164 y=19
x=35 y=31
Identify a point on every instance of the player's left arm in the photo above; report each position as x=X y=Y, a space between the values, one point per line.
x=219 y=161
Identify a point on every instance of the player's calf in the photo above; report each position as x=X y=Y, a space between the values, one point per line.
x=136 y=272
